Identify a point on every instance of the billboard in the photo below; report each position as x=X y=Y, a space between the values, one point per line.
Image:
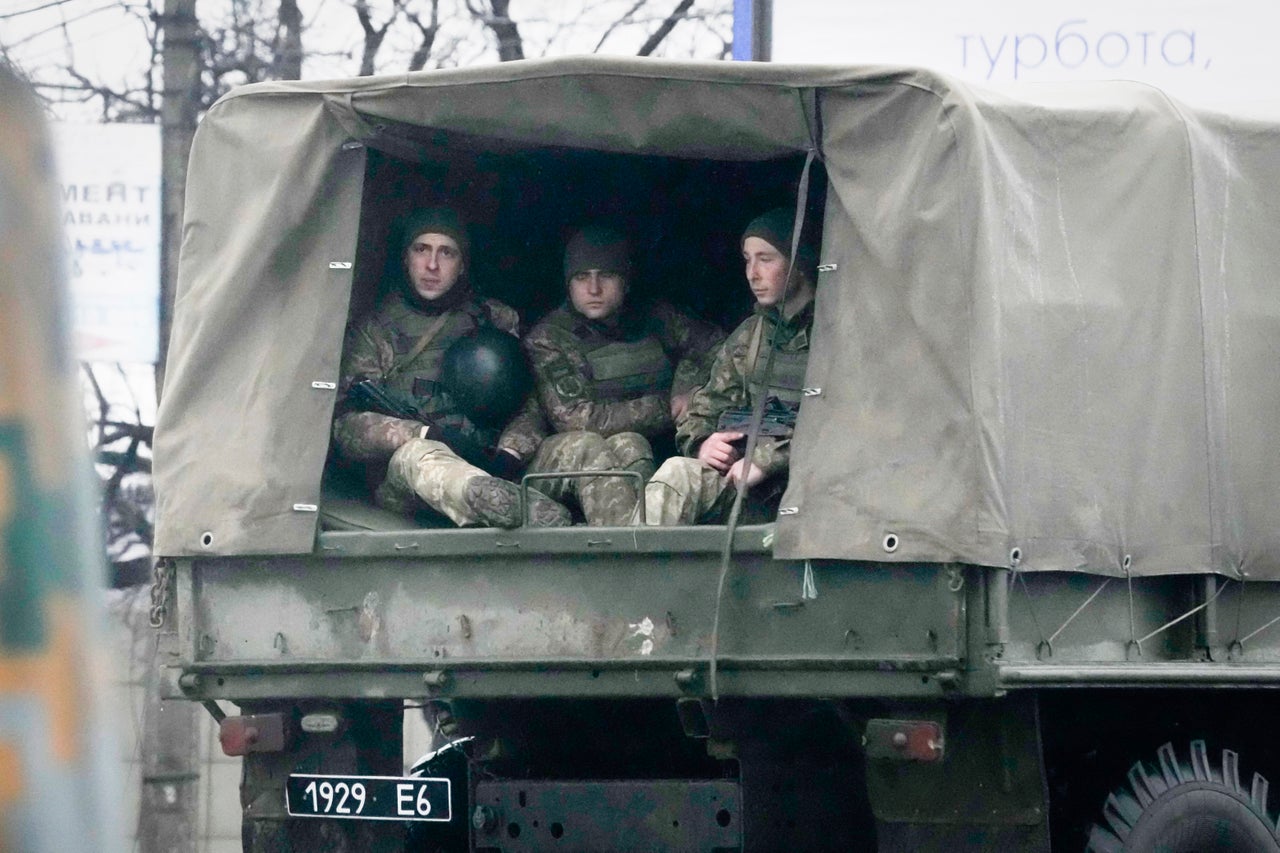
x=110 y=182
x=1211 y=53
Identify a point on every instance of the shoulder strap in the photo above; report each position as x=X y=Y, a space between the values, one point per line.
x=753 y=353
x=431 y=332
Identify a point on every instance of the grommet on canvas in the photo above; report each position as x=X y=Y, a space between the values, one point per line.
x=1015 y=557
x=206 y=539
x=890 y=543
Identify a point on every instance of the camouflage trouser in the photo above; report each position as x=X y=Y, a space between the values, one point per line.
x=605 y=501
x=686 y=491
x=682 y=491
x=433 y=472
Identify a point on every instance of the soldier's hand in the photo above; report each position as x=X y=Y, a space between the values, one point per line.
x=754 y=475
x=718 y=450
x=679 y=405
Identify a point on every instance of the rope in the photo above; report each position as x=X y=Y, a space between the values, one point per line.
x=753 y=432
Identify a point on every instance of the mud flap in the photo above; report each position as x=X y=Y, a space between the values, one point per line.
x=988 y=792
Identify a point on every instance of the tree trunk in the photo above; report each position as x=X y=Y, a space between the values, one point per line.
x=510 y=44
x=665 y=29
x=290 y=57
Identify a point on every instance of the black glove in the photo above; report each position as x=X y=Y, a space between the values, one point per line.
x=467 y=448
x=505 y=465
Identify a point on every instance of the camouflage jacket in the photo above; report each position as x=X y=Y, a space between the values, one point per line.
x=573 y=398
x=727 y=386
x=372 y=351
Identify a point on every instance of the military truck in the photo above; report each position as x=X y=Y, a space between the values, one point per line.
x=1022 y=590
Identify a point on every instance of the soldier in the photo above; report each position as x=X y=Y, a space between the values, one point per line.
x=401 y=346
x=691 y=490
x=612 y=376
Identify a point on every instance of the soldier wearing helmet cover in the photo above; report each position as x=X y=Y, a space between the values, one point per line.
x=401 y=347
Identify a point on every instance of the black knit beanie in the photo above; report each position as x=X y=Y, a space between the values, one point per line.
x=435 y=220
x=597 y=247
x=775 y=227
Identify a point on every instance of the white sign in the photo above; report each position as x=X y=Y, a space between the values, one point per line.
x=1217 y=54
x=110 y=176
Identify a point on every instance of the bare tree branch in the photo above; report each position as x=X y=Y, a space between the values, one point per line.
x=497 y=19
x=373 y=36
x=62 y=25
x=428 y=31
x=626 y=18
x=104 y=407
x=665 y=29
x=51 y=5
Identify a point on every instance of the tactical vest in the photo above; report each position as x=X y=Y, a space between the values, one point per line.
x=621 y=370
x=786 y=380
x=420 y=377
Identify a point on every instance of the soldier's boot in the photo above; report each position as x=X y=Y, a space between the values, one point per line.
x=496 y=503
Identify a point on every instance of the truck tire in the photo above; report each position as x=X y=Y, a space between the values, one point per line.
x=1181 y=807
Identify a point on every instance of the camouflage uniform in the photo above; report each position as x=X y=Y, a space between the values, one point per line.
x=686 y=490
x=606 y=389
x=412 y=468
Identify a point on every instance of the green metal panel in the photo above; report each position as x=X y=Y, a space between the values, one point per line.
x=566 y=612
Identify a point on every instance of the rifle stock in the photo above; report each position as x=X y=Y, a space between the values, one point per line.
x=367 y=395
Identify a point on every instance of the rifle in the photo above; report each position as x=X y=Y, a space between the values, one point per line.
x=779 y=418
x=367 y=395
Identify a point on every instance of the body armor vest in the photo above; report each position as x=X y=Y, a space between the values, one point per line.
x=420 y=376
x=786 y=380
x=621 y=370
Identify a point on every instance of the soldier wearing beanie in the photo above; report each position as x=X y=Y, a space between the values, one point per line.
x=400 y=347
x=695 y=488
x=612 y=373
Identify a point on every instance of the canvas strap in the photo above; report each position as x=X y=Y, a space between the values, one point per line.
x=422 y=343
x=753 y=432
x=753 y=352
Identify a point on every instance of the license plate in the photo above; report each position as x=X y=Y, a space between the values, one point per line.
x=368 y=797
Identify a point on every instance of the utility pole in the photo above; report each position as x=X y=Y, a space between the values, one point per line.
x=179 y=110
x=169 y=805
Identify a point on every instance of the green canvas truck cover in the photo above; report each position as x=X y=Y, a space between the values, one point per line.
x=1045 y=334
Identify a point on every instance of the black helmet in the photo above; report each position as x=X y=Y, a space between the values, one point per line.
x=487 y=375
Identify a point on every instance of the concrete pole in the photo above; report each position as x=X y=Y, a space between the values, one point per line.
x=169 y=807
x=178 y=113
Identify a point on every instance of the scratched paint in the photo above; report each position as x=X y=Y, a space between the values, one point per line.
x=644 y=629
